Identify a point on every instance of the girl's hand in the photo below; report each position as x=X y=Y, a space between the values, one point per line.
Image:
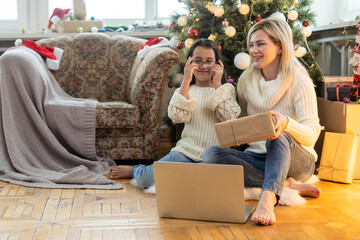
x=217 y=73
x=281 y=123
x=189 y=70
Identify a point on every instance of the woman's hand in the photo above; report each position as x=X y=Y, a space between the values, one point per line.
x=217 y=72
x=281 y=123
x=189 y=70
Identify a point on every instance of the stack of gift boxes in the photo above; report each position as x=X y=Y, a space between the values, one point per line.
x=339 y=113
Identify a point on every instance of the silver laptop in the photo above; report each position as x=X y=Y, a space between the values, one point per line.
x=209 y=192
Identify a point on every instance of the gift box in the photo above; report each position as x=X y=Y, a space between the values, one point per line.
x=339 y=92
x=329 y=81
x=245 y=129
x=338 y=157
x=71 y=26
x=339 y=117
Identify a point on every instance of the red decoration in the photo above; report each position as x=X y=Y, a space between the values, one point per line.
x=171 y=26
x=225 y=23
x=305 y=23
x=258 y=19
x=220 y=47
x=179 y=46
x=193 y=33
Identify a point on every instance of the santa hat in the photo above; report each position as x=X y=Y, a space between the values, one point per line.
x=151 y=44
x=52 y=55
x=58 y=15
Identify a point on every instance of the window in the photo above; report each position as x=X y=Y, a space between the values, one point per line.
x=106 y=9
x=9 y=12
x=167 y=7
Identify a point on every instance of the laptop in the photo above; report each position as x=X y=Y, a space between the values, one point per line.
x=208 y=192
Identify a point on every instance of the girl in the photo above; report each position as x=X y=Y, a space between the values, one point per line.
x=200 y=102
x=276 y=82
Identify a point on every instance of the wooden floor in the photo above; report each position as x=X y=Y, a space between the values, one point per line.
x=34 y=213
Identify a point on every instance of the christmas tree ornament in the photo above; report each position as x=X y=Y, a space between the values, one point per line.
x=190 y=14
x=212 y=37
x=219 y=11
x=182 y=21
x=211 y=8
x=300 y=52
x=94 y=29
x=258 y=19
x=220 y=47
x=278 y=16
x=174 y=41
x=225 y=23
x=179 y=46
x=244 y=9
x=193 y=33
x=293 y=15
x=305 y=23
x=242 y=60
x=230 y=31
x=171 y=26
x=306 y=31
x=189 y=42
x=294 y=2
x=346 y=100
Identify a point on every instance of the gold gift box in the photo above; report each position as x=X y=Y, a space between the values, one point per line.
x=245 y=129
x=71 y=26
x=338 y=157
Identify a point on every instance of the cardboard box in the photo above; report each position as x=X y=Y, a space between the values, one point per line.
x=71 y=26
x=339 y=117
x=329 y=81
x=338 y=157
x=245 y=129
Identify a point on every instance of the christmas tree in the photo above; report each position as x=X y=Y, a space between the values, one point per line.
x=227 y=23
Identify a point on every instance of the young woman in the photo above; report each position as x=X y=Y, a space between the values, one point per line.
x=200 y=102
x=276 y=82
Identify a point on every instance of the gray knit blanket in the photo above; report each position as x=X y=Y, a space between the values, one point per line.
x=47 y=138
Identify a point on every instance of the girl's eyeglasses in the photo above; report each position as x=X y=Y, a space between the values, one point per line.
x=207 y=63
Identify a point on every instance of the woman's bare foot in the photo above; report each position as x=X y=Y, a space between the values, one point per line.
x=264 y=213
x=305 y=189
x=121 y=171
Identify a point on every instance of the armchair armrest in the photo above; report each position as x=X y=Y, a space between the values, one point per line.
x=147 y=80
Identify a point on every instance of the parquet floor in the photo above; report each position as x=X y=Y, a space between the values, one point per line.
x=34 y=213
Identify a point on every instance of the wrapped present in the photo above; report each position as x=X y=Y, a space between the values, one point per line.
x=329 y=81
x=245 y=129
x=338 y=92
x=338 y=157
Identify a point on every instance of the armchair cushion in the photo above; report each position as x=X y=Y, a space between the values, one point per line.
x=117 y=115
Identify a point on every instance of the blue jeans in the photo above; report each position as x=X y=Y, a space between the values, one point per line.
x=285 y=158
x=145 y=174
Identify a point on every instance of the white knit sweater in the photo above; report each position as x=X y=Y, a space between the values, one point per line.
x=205 y=107
x=296 y=100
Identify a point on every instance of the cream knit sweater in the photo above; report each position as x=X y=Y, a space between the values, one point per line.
x=296 y=100
x=205 y=107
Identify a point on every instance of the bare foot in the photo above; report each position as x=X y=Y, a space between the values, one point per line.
x=264 y=213
x=121 y=171
x=305 y=189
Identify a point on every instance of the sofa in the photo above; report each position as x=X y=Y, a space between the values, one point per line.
x=129 y=89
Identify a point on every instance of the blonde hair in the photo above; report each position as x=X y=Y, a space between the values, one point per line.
x=280 y=33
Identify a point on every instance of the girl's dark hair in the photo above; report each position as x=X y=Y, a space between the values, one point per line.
x=206 y=43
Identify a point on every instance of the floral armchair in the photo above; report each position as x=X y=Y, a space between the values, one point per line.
x=129 y=90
